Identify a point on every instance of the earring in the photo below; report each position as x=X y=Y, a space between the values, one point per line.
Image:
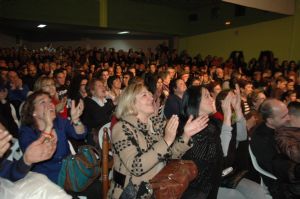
x=34 y=114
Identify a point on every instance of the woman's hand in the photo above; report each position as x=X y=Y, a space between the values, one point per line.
x=236 y=100
x=48 y=120
x=5 y=137
x=226 y=105
x=76 y=111
x=194 y=126
x=61 y=105
x=171 y=130
x=40 y=150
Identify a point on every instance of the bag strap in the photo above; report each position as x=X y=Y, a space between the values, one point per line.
x=73 y=152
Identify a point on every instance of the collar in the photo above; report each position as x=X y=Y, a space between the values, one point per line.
x=101 y=103
x=134 y=121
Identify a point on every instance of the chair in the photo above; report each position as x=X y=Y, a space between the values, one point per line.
x=16 y=152
x=100 y=133
x=258 y=168
x=107 y=163
x=263 y=172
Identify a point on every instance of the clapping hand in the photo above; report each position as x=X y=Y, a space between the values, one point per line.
x=76 y=111
x=5 y=137
x=194 y=126
x=171 y=130
x=40 y=150
x=236 y=100
x=226 y=105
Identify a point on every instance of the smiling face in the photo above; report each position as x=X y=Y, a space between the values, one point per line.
x=144 y=103
x=207 y=104
x=42 y=104
x=49 y=86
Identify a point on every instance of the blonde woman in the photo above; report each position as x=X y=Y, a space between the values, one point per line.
x=142 y=142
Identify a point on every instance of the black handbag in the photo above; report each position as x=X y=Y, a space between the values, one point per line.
x=232 y=179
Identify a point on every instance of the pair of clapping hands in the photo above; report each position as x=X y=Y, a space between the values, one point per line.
x=232 y=100
x=40 y=150
x=191 y=127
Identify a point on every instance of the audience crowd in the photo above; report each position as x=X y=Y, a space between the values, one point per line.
x=161 y=104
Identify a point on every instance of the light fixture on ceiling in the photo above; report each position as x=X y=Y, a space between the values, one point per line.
x=123 y=32
x=227 y=23
x=42 y=26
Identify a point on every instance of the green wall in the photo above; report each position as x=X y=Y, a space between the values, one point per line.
x=281 y=36
x=78 y=12
x=134 y=15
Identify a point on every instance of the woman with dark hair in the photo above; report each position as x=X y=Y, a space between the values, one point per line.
x=38 y=117
x=77 y=89
x=210 y=144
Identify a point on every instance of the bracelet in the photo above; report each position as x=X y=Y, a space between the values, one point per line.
x=78 y=123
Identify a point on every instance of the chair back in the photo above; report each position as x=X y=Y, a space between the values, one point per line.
x=101 y=133
x=258 y=168
x=105 y=163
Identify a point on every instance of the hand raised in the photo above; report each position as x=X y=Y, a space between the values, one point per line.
x=171 y=129
x=76 y=111
x=236 y=100
x=226 y=105
x=194 y=126
x=40 y=150
x=5 y=137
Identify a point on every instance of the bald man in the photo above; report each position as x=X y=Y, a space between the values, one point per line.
x=263 y=144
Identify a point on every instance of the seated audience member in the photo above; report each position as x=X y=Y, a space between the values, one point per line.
x=77 y=88
x=207 y=150
x=38 y=151
x=289 y=96
x=234 y=140
x=256 y=98
x=214 y=89
x=246 y=90
x=155 y=86
x=17 y=91
x=38 y=118
x=114 y=84
x=280 y=88
x=174 y=102
x=59 y=77
x=8 y=115
x=166 y=82
x=97 y=108
x=141 y=144
x=31 y=77
x=47 y=84
x=288 y=138
x=263 y=144
x=126 y=78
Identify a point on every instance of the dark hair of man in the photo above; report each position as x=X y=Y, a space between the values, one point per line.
x=294 y=108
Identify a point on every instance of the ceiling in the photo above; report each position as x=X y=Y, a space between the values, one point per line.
x=202 y=16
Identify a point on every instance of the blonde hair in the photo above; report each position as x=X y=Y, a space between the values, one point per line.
x=40 y=82
x=126 y=105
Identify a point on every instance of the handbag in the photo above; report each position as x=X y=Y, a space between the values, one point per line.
x=173 y=179
x=80 y=170
x=232 y=179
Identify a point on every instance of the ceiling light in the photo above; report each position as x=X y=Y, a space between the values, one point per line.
x=42 y=26
x=227 y=23
x=123 y=32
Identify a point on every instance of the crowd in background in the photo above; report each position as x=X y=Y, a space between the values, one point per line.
x=85 y=86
